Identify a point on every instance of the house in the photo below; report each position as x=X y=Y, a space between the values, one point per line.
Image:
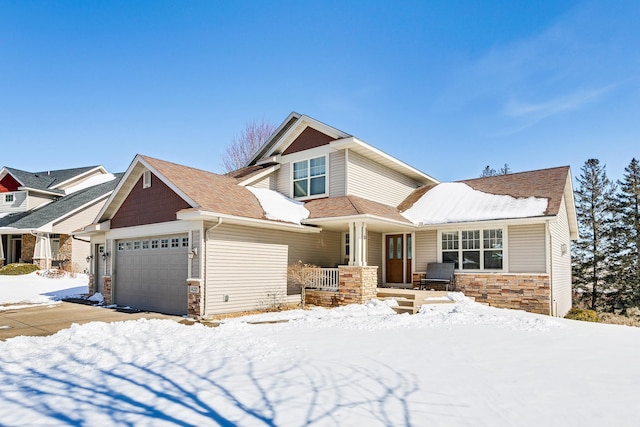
x=180 y=240
x=39 y=211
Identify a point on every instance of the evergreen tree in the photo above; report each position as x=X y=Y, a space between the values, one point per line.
x=626 y=238
x=594 y=210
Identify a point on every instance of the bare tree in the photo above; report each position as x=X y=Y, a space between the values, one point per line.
x=489 y=171
x=244 y=146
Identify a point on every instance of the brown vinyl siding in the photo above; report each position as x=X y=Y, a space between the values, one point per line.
x=527 y=252
x=309 y=138
x=152 y=205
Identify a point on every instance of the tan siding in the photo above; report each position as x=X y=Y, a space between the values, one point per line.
x=195 y=261
x=337 y=169
x=561 y=263
x=35 y=201
x=79 y=250
x=283 y=179
x=375 y=182
x=246 y=263
x=527 y=252
x=263 y=183
x=374 y=252
x=426 y=249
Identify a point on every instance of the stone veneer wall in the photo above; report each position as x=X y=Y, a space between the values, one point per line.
x=195 y=302
x=106 y=290
x=28 y=247
x=65 y=247
x=529 y=292
x=357 y=285
x=92 y=285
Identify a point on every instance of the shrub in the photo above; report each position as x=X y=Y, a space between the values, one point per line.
x=582 y=314
x=18 y=269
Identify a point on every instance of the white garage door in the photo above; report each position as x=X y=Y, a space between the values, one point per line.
x=151 y=273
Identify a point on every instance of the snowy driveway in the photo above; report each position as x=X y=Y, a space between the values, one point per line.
x=47 y=320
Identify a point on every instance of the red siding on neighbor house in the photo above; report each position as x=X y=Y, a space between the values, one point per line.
x=309 y=138
x=8 y=183
x=155 y=204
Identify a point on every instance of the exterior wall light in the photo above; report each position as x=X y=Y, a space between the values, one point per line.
x=105 y=255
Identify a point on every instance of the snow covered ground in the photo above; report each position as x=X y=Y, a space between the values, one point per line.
x=29 y=289
x=363 y=365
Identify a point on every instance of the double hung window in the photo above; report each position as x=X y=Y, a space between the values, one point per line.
x=473 y=249
x=309 y=177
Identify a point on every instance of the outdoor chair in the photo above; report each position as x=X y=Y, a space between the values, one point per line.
x=439 y=273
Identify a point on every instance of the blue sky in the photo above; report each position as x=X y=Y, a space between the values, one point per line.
x=447 y=86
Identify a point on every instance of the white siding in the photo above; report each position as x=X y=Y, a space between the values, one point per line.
x=247 y=263
x=337 y=167
x=374 y=252
x=561 y=263
x=19 y=203
x=80 y=180
x=373 y=181
x=426 y=249
x=527 y=252
x=195 y=261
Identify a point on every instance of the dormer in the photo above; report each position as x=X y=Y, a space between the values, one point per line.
x=315 y=160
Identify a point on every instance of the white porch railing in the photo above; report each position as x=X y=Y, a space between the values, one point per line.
x=323 y=278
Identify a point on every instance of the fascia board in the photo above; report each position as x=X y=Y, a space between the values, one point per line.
x=197 y=215
x=259 y=176
x=491 y=222
x=359 y=217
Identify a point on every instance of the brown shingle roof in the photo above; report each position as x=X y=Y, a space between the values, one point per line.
x=351 y=205
x=543 y=183
x=212 y=192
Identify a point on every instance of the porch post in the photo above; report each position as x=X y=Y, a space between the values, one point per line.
x=359 y=240
x=352 y=245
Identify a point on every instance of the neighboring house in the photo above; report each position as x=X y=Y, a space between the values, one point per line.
x=181 y=240
x=38 y=212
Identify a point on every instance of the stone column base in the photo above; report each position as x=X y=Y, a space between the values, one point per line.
x=195 y=300
x=106 y=290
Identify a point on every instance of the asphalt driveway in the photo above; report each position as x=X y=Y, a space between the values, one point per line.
x=47 y=320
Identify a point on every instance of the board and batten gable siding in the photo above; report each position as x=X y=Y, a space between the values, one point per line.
x=155 y=204
x=374 y=252
x=527 y=251
x=426 y=245
x=337 y=168
x=561 y=262
x=371 y=180
x=248 y=263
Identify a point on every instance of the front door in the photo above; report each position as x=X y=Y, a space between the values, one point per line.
x=394 y=258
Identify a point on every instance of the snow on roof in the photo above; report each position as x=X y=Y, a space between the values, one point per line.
x=94 y=180
x=457 y=202
x=278 y=207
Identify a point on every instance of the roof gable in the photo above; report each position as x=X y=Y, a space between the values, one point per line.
x=309 y=138
x=289 y=131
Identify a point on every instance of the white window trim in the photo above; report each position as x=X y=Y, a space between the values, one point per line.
x=146 y=179
x=326 y=178
x=505 y=247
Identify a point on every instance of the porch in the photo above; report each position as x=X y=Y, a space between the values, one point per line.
x=333 y=287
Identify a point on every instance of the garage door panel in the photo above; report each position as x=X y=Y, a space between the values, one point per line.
x=153 y=278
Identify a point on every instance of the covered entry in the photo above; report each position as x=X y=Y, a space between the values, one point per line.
x=151 y=273
x=398 y=258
